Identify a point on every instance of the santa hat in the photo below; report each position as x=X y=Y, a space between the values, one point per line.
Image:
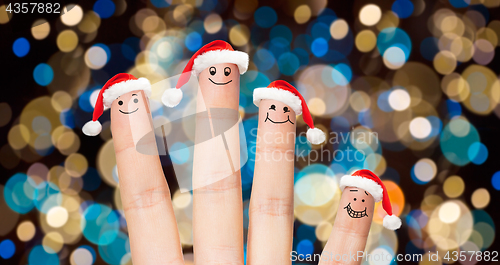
x=284 y=92
x=216 y=52
x=118 y=85
x=367 y=180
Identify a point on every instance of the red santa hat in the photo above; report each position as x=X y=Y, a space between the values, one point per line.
x=215 y=52
x=367 y=180
x=118 y=85
x=284 y=92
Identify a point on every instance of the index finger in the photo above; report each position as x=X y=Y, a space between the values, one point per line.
x=154 y=238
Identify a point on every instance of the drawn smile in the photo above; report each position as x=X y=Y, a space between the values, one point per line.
x=355 y=214
x=124 y=112
x=288 y=120
x=220 y=84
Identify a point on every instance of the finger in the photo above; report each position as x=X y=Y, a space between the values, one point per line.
x=270 y=232
x=154 y=238
x=217 y=199
x=351 y=227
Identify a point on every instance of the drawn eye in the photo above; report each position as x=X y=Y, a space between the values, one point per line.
x=120 y=102
x=286 y=109
x=273 y=107
x=212 y=70
x=227 y=71
x=363 y=200
x=355 y=199
x=136 y=100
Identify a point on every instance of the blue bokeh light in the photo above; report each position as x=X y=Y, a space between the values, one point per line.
x=104 y=8
x=392 y=36
x=495 y=180
x=264 y=59
x=18 y=193
x=288 y=63
x=305 y=247
x=21 y=47
x=402 y=8
x=478 y=153
x=99 y=224
x=265 y=17
x=319 y=47
x=459 y=3
x=193 y=41
x=429 y=48
x=38 y=256
x=43 y=74
x=281 y=31
x=7 y=249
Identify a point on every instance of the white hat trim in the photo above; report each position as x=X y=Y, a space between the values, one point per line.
x=207 y=59
x=363 y=183
x=285 y=96
x=118 y=89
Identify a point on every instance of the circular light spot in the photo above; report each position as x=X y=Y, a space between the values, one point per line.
x=96 y=57
x=193 y=41
x=76 y=165
x=359 y=100
x=425 y=170
x=265 y=17
x=26 y=231
x=43 y=74
x=480 y=198
x=61 y=101
x=4 y=15
x=318 y=106
x=394 y=58
x=453 y=186
x=399 y=99
x=445 y=62
x=302 y=14
x=81 y=256
x=40 y=29
x=366 y=40
x=39 y=256
x=315 y=189
x=57 y=216
x=239 y=35
x=7 y=249
x=100 y=224
x=478 y=153
x=212 y=23
x=182 y=200
x=104 y=8
x=21 y=47
x=339 y=29
x=67 y=40
x=73 y=16
x=449 y=212
x=319 y=47
x=370 y=15
x=420 y=127
x=495 y=180
x=52 y=242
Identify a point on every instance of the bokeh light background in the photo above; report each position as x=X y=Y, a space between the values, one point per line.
x=422 y=76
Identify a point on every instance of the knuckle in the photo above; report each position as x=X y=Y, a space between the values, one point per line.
x=272 y=206
x=147 y=198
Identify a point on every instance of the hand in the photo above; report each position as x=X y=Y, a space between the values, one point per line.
x=217 y=207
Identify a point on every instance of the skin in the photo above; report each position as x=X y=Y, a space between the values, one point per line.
x=350 y=231
x=271 y=202
x=144 y=191
x=217 y=199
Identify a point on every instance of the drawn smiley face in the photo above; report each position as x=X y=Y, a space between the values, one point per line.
x=131 y=108
x=359 y=202
x=277 y=112
x=220 y=74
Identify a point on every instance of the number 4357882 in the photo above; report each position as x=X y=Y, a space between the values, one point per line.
x=33 y=8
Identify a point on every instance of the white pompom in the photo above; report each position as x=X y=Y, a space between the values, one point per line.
x=171 y=97
x=392 y=222
x=92 y=128
x=315 y=136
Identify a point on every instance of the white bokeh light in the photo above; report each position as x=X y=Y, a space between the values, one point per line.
x=420 y=127
x=399 y=99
